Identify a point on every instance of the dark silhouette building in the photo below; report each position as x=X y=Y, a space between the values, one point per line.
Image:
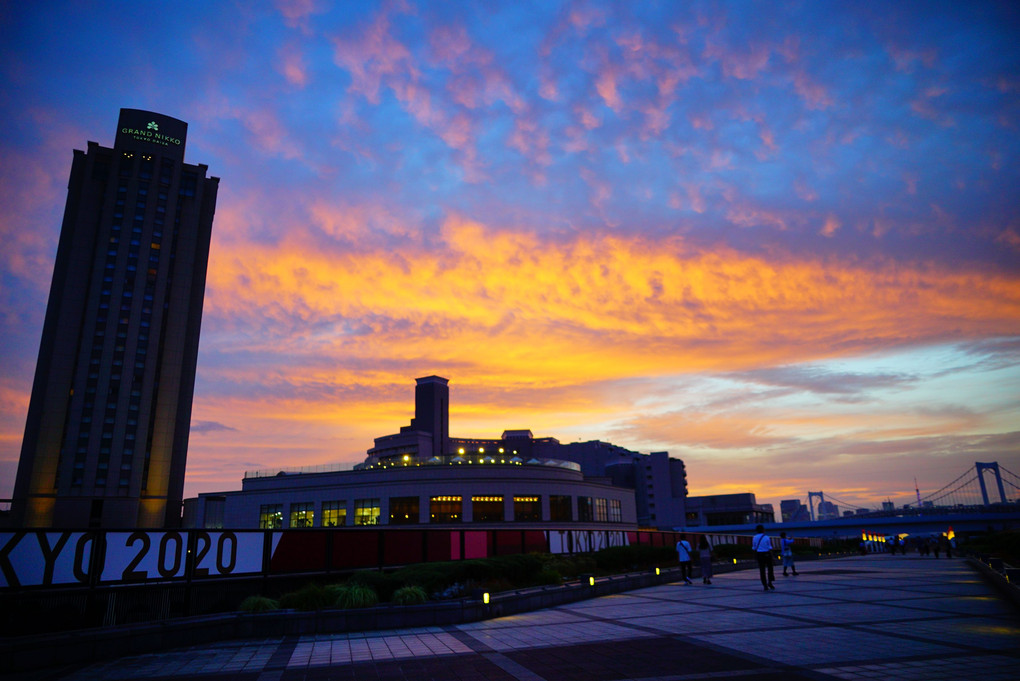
x=106 y=436
x=793 y=511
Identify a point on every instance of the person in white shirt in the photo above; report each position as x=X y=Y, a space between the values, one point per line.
x=762 y=545
x=683 y=550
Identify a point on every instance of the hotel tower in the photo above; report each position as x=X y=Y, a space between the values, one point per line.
x=106 y=436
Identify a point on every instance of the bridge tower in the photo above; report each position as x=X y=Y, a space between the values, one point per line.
x=994 y=467
x=821 y=500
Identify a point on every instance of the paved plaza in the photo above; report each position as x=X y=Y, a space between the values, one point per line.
x=872 y=617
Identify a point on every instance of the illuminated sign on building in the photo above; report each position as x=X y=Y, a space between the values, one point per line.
x=146 y=131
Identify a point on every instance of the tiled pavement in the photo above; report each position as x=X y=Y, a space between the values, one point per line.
x=874 y=617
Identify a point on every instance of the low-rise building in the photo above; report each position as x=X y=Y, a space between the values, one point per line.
x=422 y=476
x=727 y=509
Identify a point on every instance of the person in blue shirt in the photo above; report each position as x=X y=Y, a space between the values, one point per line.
x=786 y=547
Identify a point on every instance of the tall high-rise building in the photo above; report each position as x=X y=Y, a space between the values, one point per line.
x=106 y=436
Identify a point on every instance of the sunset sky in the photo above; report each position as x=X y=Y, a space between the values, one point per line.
x=779 y=240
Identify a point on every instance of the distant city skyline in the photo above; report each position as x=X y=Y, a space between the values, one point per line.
x=779 y=241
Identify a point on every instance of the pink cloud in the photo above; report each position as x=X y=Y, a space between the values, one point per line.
x=746 y=215
x=926 y=106
x=701 y=122
x=295 y=12
x=814 y=95
x=830 y=227
x=293 y=66
x=372 y=56
x=906 y=60
x=769 y=146
x=804 y=190
x=269 y=133
x=910 y=180
x=605 y=85
x=695 y=198
x=744 y=64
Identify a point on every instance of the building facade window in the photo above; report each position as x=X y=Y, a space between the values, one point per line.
x=601 y=511
x=585 y=509
x=446 y=509
x=334 y=513
x=302 y=514
x=560 y=509
x=487 y=509
x=403 y=510
x=271 y=516
x=527 y=509
x=366 y=511
x=616 y=511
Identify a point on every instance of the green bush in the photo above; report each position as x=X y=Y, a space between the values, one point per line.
x=384 y=584
x=548 y=577
x=431 y=577
x=258 y=604
x=409 y=595
x=355 y=595
x=569 y=567
x=309 y=597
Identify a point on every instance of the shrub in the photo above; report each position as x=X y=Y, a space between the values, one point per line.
x=548 y=576
x=571 y=566
x=409 y=595
x=384 y=584
x=355 y=595
x=309 y=597
x=431 y=577
x=258 y=604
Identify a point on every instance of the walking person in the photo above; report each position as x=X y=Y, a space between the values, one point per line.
x=683 y=550
x=786 y=547
x=705 y=552
x=762 y=545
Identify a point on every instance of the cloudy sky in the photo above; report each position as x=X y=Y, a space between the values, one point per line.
x=779 y=240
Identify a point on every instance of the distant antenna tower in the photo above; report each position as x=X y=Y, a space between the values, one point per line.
x=917 y=492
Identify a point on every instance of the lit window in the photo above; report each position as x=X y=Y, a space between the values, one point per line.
x=271 y=516
x=302 y=514
x=403 y=510
x=527 y=508
x=366 y=511
x=334 y=513
x=487 y=509
x=446 y=509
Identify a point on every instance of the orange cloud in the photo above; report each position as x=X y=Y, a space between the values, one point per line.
x=596 y=307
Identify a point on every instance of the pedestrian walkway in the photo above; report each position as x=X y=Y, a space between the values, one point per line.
x=871 y=617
